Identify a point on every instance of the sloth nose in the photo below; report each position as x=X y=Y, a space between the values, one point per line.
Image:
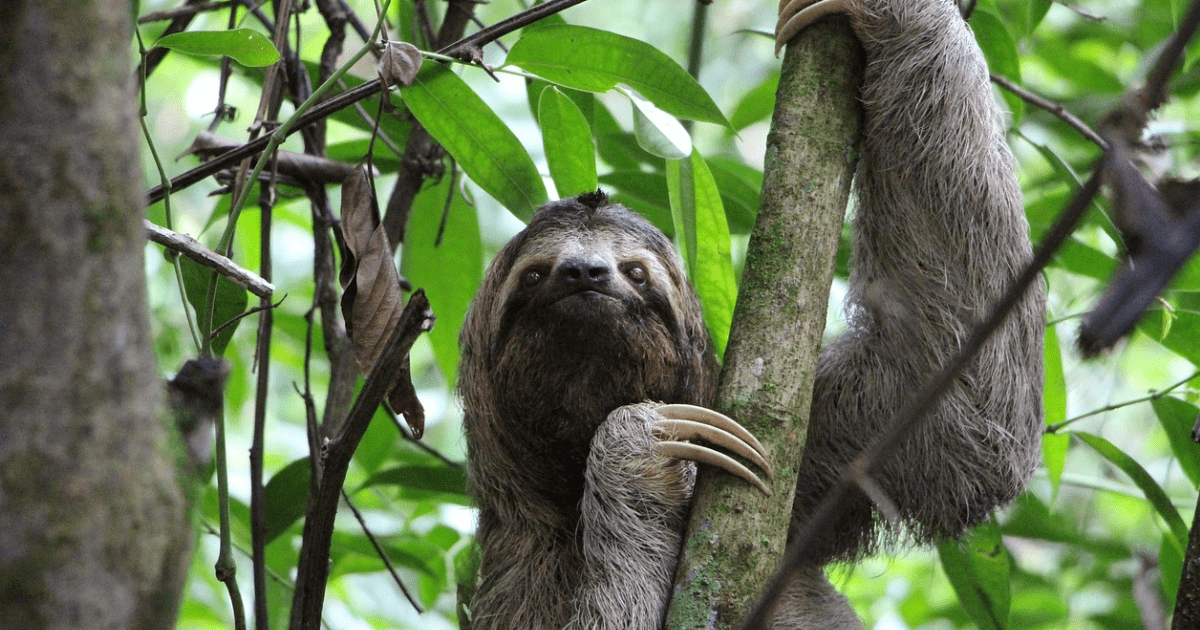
x=583 y=271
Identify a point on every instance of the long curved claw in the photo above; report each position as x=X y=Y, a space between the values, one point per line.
x=705 y=455
x=686 y=422
x=797 y=15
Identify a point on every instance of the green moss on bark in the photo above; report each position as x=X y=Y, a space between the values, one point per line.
x=736 y=536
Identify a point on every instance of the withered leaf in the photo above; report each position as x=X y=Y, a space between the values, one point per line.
x=372 y=302
x=399 y=63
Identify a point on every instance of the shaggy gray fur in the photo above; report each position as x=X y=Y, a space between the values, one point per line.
x=580 y=519
x=939 y=234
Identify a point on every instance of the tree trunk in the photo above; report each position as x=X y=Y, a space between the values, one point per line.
x=94 y=528
x=736 y=536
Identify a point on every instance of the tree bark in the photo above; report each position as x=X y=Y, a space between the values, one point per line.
x=736 y=536
x=96 y=532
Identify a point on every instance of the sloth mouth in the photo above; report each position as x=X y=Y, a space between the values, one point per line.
x=586 y=293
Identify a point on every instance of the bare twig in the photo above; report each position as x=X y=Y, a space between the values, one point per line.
x=262 y=355
x=313 y=569
x=193 y=249
x=187 y=10
x=382 y=553
x=1054 y=108
x=349 y=97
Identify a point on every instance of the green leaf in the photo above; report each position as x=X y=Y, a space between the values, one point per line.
x=1180 y=335
x=645 y=193
x=1000 y=50
x=978 y=568
x=1177 y=419
x=757 y=104
x=596 y=61
x=450 y=272
x=486 y=149
x=1054 y=398
x=739 y=185
x=1170 y=568
x=703 y=236
x=442 y=480
x=230 y=301
x=1150 y=488
x=245 y=46
x=658 y=132
x=570 y=153
x=1054 y=457
x=285 y=497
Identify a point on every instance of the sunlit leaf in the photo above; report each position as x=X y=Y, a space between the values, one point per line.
x=247 y=47
x=1178 y=331
x=658 y=132
x=450 y=270
x=443 y=480
x=1054 y=398
x=1000 y=49
x=570 y=153
x=597 y=61
x=703 y=235
x=756 y=105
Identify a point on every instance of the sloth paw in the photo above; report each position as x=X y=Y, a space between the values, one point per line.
x=680 y=423
x=797 y=15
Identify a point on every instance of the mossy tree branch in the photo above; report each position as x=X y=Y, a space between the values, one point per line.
x=737 y=536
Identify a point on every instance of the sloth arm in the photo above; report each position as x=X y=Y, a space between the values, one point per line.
x=939 y=234
x=637 y=489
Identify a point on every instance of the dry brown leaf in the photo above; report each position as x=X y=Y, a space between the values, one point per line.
x=371 y=299
x=399 y=63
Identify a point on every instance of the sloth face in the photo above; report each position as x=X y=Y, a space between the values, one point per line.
x=586 y=276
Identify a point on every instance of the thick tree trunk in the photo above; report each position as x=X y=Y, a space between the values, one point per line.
x=94 y=529
x=736 y=536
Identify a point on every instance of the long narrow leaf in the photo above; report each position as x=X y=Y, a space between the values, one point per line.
x=1054 y=446
x=450 y=272
x=596 y=61
x=978 y=569
x=570 y=152
x=1150 y=488
x=704 y=239
x=247 y=47
x=486 y=149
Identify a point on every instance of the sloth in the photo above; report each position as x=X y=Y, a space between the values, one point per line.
x=586 y=364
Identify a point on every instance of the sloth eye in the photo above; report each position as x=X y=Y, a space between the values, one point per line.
x=531 y=278
x=637 y=274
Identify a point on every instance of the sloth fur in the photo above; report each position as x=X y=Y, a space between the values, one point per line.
x=581 y=519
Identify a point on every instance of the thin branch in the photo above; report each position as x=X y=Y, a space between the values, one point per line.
x=262 y=352
x=1155 y=90
x=1054 y=108
x=345 y=99
x=193 y=249
x=1154 y=395
x=382 y=553
x=464 y=47
x=403 y=430
x=187 y=10
x=313 y=568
